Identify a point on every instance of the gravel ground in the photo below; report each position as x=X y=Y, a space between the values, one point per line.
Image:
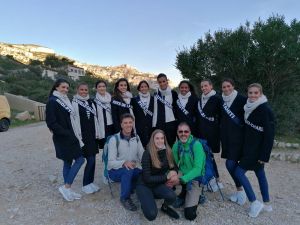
x=28 y=194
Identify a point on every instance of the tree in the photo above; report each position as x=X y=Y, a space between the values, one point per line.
x=268 y=53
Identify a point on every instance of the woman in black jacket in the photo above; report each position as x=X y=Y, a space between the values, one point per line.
x=258 y=143
x=143 y=112
x=86 y=115
x=61 y=120
x=121 y=102
x=232 y=133
x=157 y=178
x=186 y=105
x=208 y=123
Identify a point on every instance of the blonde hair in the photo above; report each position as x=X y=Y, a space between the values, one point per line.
x=153 y=150
x=257 y=85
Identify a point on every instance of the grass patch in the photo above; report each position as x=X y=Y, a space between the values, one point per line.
x=289 y=139
x=17 y=123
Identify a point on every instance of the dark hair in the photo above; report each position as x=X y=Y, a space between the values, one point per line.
x=116 y=91
x=100 y=81
x=57 y=83
x=161 y=75
x=183 y=123
x=83 y=83
x=229 y=80
x=192 y=89
x=140 y=84
x=207 y=80
x=126 y=115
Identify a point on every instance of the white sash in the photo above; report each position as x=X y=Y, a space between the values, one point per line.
x=85 y=105
x=64 y=105
x=144 y=107
x=124 y=105
x=102 y=105
x=258 y=128
x=203 y=114
x=163 y=101
x=181 y=107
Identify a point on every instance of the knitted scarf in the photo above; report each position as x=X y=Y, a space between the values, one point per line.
x=249 y=107
x=228 y=99
x=204 y=98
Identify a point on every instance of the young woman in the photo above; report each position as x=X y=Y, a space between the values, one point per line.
x=143 y=111
x=186 y=104
x=164 y=116
x=232 y=133
x=103 y=103
x=258 y=143
x=208 y=122
x=61 y=120
x=121 y=102
x=86 y=115
x=157 y=178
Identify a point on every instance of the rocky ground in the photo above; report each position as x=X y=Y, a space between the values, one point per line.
x=30 y=177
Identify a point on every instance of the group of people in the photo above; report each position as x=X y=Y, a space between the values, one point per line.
x=153 y=141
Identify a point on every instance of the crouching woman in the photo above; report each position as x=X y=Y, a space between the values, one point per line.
x=157 y=178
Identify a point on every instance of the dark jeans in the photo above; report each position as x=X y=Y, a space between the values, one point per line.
x=70 y=171
x=240 y=174
x=215 y=167
x=127 y=178
x=147 y=196
x=89 y=171
x=231 y=165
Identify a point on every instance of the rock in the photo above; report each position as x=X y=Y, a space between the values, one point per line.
x=52 y=178
x=275 y=144
x=282 y=157
x=23 y=116
x=288 y=145
x=295 y=145
x=281 y=145
x=295 y=158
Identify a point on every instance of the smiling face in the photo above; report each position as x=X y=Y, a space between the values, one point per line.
x=184 y=88
x=254 y=93
x=127 y=126
x=206 y=87
x=63 y=88
x=159 y=140
x=101 y=88
x=144 y=88
x=83 y=90
x=122 y=87
x=183 y=133
x=163 y=83
x=227 y=88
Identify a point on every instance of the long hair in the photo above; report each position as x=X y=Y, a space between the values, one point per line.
x=116 y=90
x=192 y=89
x=140 y=84
x=153 y=150
x=57 y=83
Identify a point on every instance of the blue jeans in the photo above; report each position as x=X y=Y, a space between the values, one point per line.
x=89 y=170
x=127 y=178
x=231 y=165
x=262 y=180
x=70 y=171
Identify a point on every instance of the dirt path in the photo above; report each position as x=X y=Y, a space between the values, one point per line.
x=27 y=196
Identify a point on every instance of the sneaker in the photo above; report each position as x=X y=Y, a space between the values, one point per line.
x=75 y=195
x=178 y=203
x=169 y=211
x=95 y=187
x=128 y=204
x=213 y=186
x=267 y=208
x=88 y=189
x=239 y=197
x=66 y=193
x=255 y=208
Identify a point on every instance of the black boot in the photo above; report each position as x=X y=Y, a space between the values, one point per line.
x=169 y=211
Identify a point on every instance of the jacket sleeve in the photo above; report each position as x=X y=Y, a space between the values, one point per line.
x=147 y=177
x=113 y=162
x=115 y=116
x=198 y=164
x=269 y=132
x=51 y=120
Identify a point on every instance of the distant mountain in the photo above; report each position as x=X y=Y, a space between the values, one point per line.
x=25 y=53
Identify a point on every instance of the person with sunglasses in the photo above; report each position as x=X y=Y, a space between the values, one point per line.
x=189 y=157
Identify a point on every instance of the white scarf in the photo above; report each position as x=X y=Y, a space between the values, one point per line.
x=74 y=122
x=168 y=112
x=228 y=99
x=184 y=98
x=77 y=115
x=249 y=107
x=127 y=96
x=145 y=98
x=105 y=100
x=205 y=98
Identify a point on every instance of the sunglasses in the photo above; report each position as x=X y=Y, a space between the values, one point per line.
x=183 y=131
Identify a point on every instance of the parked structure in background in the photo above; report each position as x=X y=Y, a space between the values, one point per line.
x=75 y=72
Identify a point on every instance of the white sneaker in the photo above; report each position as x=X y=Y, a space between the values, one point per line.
x=95 y=187
x=66 y=193
x=75 y=195
x=255 y=208
x=88 y=189
x=239 y=197
x=267 y=208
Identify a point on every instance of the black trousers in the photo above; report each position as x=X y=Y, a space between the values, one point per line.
x=147 y=196
x=170 y=130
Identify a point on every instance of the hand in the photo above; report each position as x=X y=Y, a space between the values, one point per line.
x=171 y=174
x=129 y=165
x=173 y=181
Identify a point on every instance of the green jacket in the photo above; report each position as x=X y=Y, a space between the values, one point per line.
x=189 y=167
